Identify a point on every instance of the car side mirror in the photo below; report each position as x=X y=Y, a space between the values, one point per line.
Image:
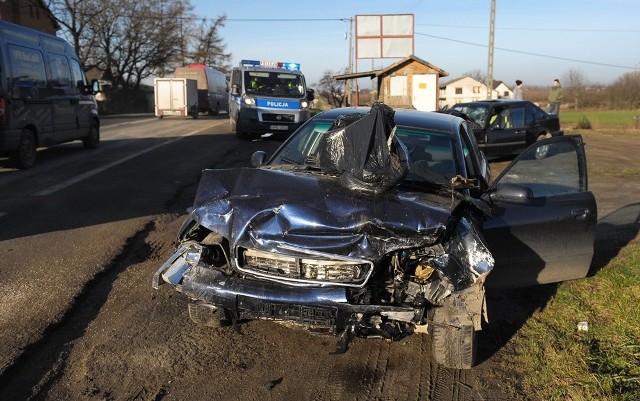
x=512 y=193
x=258 y=158
x=95 y=86
x=311 y=94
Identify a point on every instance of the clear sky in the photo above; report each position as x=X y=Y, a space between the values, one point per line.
x=535 y=41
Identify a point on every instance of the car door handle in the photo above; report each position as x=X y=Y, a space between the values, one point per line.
x=581 y=214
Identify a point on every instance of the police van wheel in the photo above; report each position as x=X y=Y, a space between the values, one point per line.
x=92 y=141
x=25 y=156
x=240 y=133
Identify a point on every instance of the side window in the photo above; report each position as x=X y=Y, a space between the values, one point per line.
x=517 y=117
x=60 y=73
x=28 y=73
x=79 y=80
x=529 y=115
x=236 y=79
x=469 y=149
x=552 y=167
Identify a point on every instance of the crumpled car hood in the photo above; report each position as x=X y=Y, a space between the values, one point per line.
x=267 y=209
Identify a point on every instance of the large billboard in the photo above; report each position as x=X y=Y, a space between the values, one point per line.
x=384 y=36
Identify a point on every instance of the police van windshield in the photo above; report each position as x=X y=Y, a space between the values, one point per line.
x=274 y=83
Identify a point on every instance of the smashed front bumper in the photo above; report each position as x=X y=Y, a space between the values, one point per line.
x=317 y=308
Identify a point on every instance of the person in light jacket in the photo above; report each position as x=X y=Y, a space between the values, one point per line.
x=518 y=91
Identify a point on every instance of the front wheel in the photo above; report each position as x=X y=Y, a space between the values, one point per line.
x=542 y=151
x=453 y=337
x=240 y=132
x=25 y=156
x=92 y=141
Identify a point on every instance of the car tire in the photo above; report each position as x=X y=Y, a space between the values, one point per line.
x=240 y=133
x=215 y=112
x=542 y=151
x=25 y=156
x=92 y=141
x=453 y=338
x=205 y=314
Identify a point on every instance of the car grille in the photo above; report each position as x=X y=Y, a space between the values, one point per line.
x=278 y=118
x=347 y=272
x=310 y=316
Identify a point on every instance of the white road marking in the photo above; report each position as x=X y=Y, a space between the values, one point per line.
x=61 y=185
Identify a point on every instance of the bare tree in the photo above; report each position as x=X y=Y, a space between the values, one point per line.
x=331 y=89
x=624 y=93
x=136 y=40
x=131 y=41
x=576 y=85
x=76 y=17
x=208 y=46
x=477 y=75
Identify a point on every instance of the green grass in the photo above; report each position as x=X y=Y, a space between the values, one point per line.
x=601 y=118
x=558 y=362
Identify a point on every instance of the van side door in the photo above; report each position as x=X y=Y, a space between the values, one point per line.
x=28 y=103
x=63 y=98
x=86 y=105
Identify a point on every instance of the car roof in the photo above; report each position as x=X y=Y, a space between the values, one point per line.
x=493 y=101
x=405 y=117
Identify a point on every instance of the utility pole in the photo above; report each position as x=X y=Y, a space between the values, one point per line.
x=492 y=28
x=347 y=85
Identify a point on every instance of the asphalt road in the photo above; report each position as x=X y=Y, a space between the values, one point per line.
x=81 y=235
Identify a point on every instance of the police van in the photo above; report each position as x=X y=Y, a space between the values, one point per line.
x=45 y=97
x=267 y=97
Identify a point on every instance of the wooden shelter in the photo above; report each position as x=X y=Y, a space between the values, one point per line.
x=407 y=83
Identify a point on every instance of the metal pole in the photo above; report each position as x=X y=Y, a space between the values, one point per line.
x=348 y=83
x=492 y=28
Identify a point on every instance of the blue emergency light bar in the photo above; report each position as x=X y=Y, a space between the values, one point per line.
x=270 y=64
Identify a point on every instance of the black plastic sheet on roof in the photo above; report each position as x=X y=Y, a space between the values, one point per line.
x=366 y=153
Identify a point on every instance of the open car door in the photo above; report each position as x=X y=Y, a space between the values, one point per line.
x=543 y=218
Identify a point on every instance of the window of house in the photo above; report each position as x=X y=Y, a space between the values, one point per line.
x=398 y=86
x=476 y=89
x=458 y=91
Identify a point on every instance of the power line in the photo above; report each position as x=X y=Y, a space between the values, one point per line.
x=530 y=53
x=284 y=19
x=534 y=29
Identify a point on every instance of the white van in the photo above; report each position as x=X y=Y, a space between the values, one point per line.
x=213 y=91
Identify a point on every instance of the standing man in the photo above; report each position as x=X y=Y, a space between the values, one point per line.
x=555 y=97
x=518 y=91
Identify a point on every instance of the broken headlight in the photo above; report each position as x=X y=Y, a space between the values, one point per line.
x=305 y=269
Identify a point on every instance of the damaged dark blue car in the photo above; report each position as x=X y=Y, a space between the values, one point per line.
x=374 y=222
